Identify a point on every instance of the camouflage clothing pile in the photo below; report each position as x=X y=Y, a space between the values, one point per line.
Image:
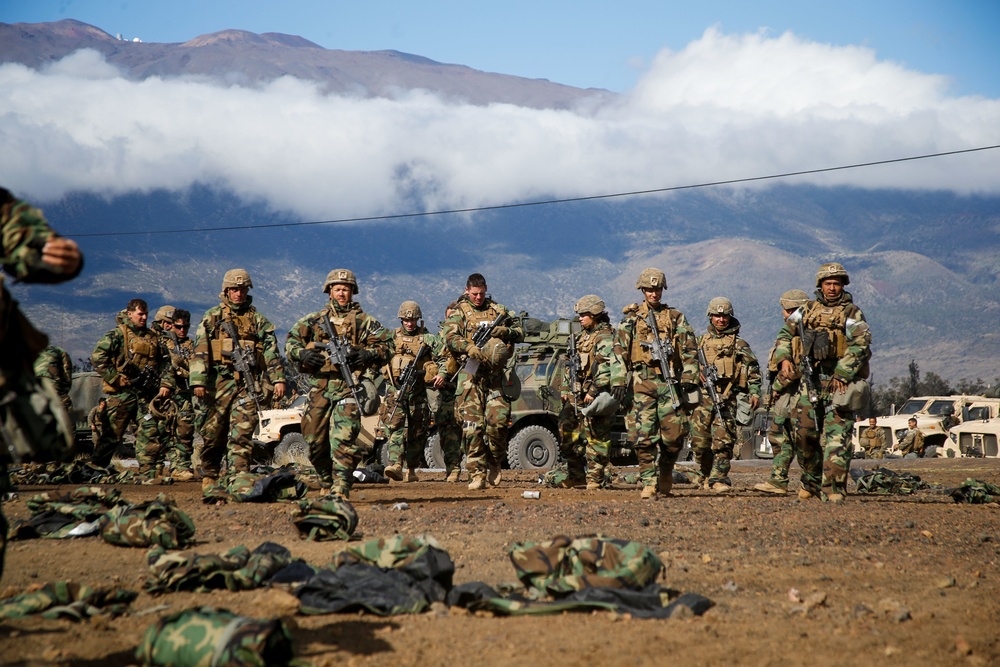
x=889 y=482
x=238 y=569
x=208 y=637
x=158 y=522
x=66 y=599
x=559 y=476
x=71 y=514
x=976 y=492
x=81 y=472
x=260 y=485
x=329 y=518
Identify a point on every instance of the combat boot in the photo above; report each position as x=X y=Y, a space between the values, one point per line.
x=453 y=475
x=805 y=495
x=767 y=487
x=478 y=483
x=394 y=472
x=493 y=476
x=721 y=487
x=411 y=475
x=208 y=483
x=835 y=497
x=595 y=479
x=649 y=493
x=664 y=484
x=182 y=476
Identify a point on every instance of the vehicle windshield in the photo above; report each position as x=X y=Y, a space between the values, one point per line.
x=940 y=407
x=911 y=406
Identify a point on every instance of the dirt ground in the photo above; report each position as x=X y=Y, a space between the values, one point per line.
x=905 y=580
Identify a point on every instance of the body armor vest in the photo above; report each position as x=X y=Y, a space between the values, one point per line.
x=665 y=318
x=720 y=351
x=474 y=319
x=825 y=335
x=246 y=329
x=141 y=350
x=407 y=346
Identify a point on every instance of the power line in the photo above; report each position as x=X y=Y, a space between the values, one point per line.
x=545 y=202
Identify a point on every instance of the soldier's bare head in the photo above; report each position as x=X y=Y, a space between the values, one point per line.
x=137 y=311
x=475 y=289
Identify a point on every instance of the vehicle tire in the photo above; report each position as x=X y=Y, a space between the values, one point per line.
x=292 y=449
x=432 y=452
x=533 y=448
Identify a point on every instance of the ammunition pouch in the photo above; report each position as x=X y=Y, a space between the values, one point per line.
x=856 y=398
x=744 y=413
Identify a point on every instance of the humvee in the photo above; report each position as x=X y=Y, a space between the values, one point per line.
x=973 y=438
x=84 y=393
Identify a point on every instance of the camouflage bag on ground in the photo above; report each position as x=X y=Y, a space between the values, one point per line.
x=888 y=482
x=66 y=599
x=71 y=514
x=421 y=558
x=555 y=477
x=158 y=522
x=74 y=472
x=208 y=637
x=975 y=492
x=329 y=518
x=563 y=565
x=260 y=485
x=238 y=569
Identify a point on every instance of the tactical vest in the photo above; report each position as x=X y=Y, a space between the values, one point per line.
x=140 y=350
x=665 y=319
x=345 y=325
x=720 y=351
x=246 y=329
x=407 y=346
x=474 y=319
x=826 y=327
x=585 y=343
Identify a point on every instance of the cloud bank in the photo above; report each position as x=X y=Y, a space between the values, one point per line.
x=725 y=107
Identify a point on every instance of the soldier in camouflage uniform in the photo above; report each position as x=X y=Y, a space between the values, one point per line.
x=837 y=341
x=441 y=396
x=587 y=439
x=783 y=390
x=912 y=441
x=409 y=426
x=180 y=349
x=332 y=419
x=135 y=370
x=54 y=364
x=97 y=419
x=738 y=373
x=481 y=405
x=660 y=408
x=873 y=440
x=230 y=408
x=31 y=252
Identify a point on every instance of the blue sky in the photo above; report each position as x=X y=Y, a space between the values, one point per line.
x=581 y=43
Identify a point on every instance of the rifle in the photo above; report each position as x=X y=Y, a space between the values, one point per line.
x=711 y=375
x=244 y=361
x=144 y=379
x=338 y=349
x=768 y=403
x=662 y=351
x=795 y=319
x=573 y=365
x=407 y=379
x=479 y=338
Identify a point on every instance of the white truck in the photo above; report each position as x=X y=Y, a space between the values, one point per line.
x=937 y=417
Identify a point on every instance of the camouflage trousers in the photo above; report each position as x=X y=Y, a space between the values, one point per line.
x=781 y=435
x=408 y=430
x=181 y=436
x=330 y=426
x=712 y=442
x=659 y=430
x=584 y=442
x=125 y=408
x=824 y=445
x=230 y=421
x=485 y=416
x=449 y=432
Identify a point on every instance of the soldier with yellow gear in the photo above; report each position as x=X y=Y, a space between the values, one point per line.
x=406 y=418
x=873 y=440
x=180 y=436
x=738 y=382
x=836 y=347
x=331 y=422
x=661 y=403
x=230 y=396
x=481 y=405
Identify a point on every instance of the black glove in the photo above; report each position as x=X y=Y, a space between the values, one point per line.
x=619 y=394
x=311 y=360
x=358 y=358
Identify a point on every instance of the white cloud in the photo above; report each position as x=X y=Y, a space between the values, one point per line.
x=725 y=107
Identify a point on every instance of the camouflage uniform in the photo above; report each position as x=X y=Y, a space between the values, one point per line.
x=54 y=364
x=660 y=428
x=713 y=439
x=873 y=441
x=912 y=442
x=134 y=369
x=442 y=402
x=97 y=419
x=180 y=437
x=839 y=345
x=586 y=439
x=332 y=419
x=481 y=406
x=230 y=411
x=27 y=432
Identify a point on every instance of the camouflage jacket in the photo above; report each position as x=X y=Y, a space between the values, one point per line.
x=116 y=358
x=912 y=442
x=873 y=438
x=850 y=346
x=596 y=348
x=459 y=329
x=180 y=351
x=54 y=363
x=734 y=361
x=353 y=324
x=405 y=347
x=212 y=344
x=630 y=336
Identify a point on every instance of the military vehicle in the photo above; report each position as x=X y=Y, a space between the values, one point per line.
x=85 y=391
x=936 y=416
x=973 y=438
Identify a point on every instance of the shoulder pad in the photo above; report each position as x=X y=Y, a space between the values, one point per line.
x=631 y=308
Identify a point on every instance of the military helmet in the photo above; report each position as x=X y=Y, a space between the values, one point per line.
x=165 y=314
x=793 y=298
x=720 y=305
x=340 y=277
x=651 y=278
x=236 y=278
x=590 y=304
x=409 y=309
x=497 y=352
x=832 y=270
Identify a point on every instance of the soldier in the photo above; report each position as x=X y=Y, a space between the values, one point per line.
x=912 y=441
x=585 y=426
x=135 y=371
x=481 y=404
x=53 y=363
x=230 y=396
x=97 y=419
x=738 y=384
x=660 y=404
x=783 y=390
x=34 y=425
x=441 y=396
x=406 y=418
x=180 y=348
x=332 y=419
x=873 y=440
x=835 y=351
